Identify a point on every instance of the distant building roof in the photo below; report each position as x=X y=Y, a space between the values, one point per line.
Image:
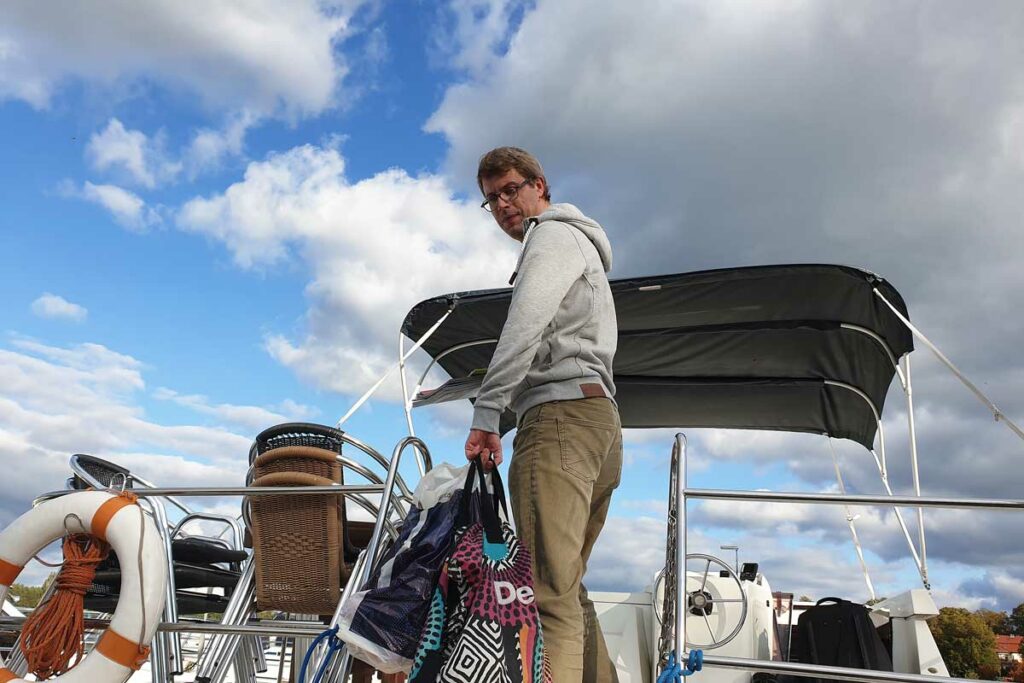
x=1008 y=644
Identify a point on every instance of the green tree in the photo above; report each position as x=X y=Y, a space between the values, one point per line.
x=29 y=596
x=26 y=596
x=997 y=621
x=967 y=644
x=1016 y=620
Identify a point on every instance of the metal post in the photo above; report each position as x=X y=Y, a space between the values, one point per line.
x=259 y=657
x=158 y=658
x=680 y=547
x=215 y=652
x=789 y=633
x=339 y=667
x=232 y=643
x=735 y=549
x=243 y=661
x=913 y=468
x=361 y=577
x=172 y=655
x=822 y=672
x=902 y=522
x=859 y=499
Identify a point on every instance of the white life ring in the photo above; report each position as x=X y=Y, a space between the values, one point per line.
x=116 y=519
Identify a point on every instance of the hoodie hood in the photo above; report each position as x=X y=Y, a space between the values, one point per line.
x=570 y=215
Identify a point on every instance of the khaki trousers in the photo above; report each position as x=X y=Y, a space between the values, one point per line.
x=566 y=462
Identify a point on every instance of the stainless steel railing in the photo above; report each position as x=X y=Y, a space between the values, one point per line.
x=675 y=606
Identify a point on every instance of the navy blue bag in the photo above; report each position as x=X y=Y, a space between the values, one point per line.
x=382 y=621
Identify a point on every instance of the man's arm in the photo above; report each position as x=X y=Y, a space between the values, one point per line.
x=552 y=262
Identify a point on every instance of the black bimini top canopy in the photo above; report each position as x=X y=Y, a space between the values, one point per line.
x=805 y=348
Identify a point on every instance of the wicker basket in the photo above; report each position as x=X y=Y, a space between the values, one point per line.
x=297 y=542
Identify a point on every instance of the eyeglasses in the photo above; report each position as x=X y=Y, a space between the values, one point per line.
x=508 y=193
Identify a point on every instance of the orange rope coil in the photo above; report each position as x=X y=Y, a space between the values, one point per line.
x=54 y=633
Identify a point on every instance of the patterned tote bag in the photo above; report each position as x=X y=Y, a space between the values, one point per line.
x=483 y=625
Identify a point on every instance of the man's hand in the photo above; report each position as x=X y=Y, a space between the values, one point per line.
x=486 y=445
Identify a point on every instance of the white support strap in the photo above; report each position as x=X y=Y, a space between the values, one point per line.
x=996 y=413
x=849 y=520
x=401 y=362
x=903 y=525
x=406 y=401
x=909 y=392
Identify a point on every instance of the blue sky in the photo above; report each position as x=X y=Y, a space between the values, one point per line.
x=212 y=223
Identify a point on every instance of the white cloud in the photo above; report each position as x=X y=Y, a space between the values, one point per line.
x=706 y=134
x=126 y=207
x=630 y=551
x=209 y=146
x=87 y=398
x=53 y=306
x=253 y=418
x=268 y=56
x=108 y=371
x=372 y=249
x=143 y=160
x=470 y=34
x=739 y=145
x=131 y=151
x=83 y=399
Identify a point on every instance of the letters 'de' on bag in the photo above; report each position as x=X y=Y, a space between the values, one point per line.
x=483 y=625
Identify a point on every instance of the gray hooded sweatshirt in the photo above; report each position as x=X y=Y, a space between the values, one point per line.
x=560 y=336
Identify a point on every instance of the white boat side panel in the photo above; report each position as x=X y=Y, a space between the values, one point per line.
x=625 y=621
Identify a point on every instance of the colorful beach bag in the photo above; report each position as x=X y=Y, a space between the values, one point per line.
x=483 y=625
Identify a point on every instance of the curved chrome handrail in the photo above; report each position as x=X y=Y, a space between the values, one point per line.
x=378 y=528
x=231 y=522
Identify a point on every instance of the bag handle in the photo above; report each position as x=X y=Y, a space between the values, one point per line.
x=822 y=601
x=500 y=506
x=489 y=502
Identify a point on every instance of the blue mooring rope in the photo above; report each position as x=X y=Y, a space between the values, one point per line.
x=333 y=645
x=675 y=671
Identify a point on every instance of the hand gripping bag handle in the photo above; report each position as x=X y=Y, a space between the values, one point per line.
x=490 y=503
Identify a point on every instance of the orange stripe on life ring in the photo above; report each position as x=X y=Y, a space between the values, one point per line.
x=8 y=573
x=7 y=675
x=105 y=513
x=119 y=649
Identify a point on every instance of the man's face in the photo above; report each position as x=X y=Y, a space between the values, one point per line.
x=529 y=201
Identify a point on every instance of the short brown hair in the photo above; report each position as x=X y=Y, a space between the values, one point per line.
x=501 y=160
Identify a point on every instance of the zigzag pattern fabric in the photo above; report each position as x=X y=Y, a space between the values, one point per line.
x=483 y=625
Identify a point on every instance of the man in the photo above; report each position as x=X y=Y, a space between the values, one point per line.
x=553 y=367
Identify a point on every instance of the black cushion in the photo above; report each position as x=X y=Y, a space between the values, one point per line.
x=203 y=551
x=185 y=576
